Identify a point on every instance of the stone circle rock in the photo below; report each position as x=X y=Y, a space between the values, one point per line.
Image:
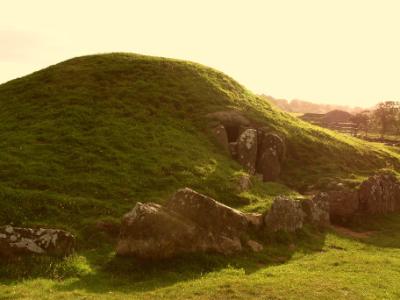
x=317 y=210
x=208 y=213
x=221 y=137
x=268 y=140
x=271 y=152
x=189 y=222
x=342 y=204
x=285 y=214
x=247 y=150
x=243 y=183
x=16 y=241
x=380 y=194
x=269 y=165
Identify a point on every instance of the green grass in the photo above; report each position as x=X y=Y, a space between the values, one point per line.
x=84 y=140
x=313 y=265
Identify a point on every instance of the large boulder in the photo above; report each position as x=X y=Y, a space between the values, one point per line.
x=189 y=222
x=269 y=165
x=151 y=231
x=343 y=204
x=272 y=141
x=271 y=152
x=285 y=214
x=208 y=213
x=379 y=194
x=317 y=210
x=16 y=241
x=221 y=137
x=247 y=150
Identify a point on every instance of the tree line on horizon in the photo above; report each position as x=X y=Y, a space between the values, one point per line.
x=384 y=119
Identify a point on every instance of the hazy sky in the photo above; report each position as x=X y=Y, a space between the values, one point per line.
x=338 y=51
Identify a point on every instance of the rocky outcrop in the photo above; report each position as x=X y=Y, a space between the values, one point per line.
x=285 y=214
x=271 y=152
x=255 y=148
x=247 y=150
x=317 y=211
x=379 y=194
x=343 y=205
x=15 y=241
x=151 y=231
x=189 y=222
x=221 y=137
x=208 y=213
x=243 y=183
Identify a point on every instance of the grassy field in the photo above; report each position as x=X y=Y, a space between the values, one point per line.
x=84 y=140
x=338 y=264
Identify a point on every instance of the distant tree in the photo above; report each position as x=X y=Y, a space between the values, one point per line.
x=362 y=121
x=385 y=115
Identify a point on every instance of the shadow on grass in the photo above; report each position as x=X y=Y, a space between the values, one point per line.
x=130 y=275
x=380 y=231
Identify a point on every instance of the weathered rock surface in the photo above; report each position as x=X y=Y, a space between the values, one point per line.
x=255 y=246
x=271 y=152
x=317 y=210
x=221 y=137
x=342 y=204
x=268 y=140
x=247 y=150
x=15 y=241
x=151 y=231
x=379 y=194
x=285 y=214
x=206 y=212
x=243 y=183
x=189 y=222
x=269 y=165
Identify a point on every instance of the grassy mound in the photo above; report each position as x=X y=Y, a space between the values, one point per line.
x=85 y=139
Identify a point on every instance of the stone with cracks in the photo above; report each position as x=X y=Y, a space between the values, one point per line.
x=380 y=194
x=208 y=213
x=221 y=137
x=271 y=152
x=189 y=222
x=343 y=205
x=16 y=241
x=285 y=214
x=247 y=150
x=317 y=210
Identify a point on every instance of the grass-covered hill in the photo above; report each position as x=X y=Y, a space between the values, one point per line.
x=85 y=139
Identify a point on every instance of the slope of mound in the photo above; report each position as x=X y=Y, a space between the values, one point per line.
x=87 y=138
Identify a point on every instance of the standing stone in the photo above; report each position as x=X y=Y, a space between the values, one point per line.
x=342 y=204
x=247 y=150
x=271 y=152
x=317 y=210
x=243 y=183
x=267 y=140
x=285 y=214
x=221 y=136
x=380 y=194
x=269 y=165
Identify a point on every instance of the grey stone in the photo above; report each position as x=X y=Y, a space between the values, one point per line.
x=16 y=241
x=285 y=214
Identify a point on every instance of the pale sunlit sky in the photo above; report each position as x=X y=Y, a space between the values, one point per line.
x=338 y=51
